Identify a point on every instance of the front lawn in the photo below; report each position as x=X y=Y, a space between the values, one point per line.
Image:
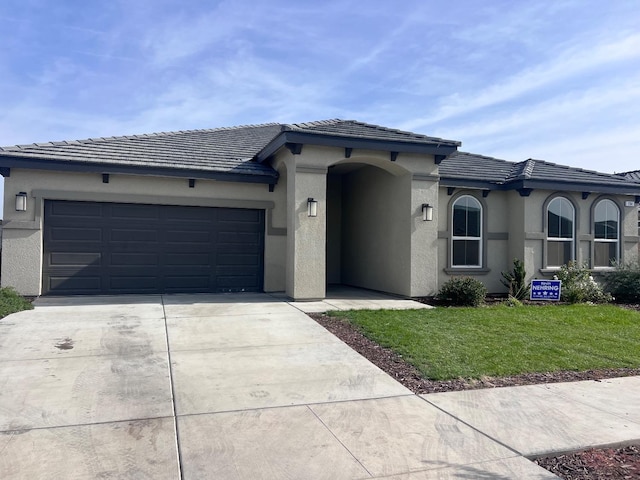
x=448 y=343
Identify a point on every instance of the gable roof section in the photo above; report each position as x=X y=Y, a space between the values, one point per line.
x=477 y=171
x=232 y=154
x=353 y=134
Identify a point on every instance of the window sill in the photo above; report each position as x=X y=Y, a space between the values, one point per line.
x=466 y=271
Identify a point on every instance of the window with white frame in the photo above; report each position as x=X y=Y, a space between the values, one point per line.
x=560 y=232
x=466 y=238
x=606 y=230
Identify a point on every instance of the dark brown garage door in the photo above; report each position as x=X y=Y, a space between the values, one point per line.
x=109 y=248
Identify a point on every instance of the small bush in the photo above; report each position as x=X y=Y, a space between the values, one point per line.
x=624 y=282
x=11 y=302
x=578 y=286
x=515 y=281
x=462 y=292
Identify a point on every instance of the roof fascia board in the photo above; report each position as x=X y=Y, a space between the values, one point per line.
x=350 y=142
x=36 y=164
x=541 y=185
x=469 y=183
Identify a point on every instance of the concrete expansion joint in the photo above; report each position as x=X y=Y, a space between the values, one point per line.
x=458 y=419
x=356 y=459
x=173 y=393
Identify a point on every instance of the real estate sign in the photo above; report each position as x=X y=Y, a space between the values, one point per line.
x=545 y=290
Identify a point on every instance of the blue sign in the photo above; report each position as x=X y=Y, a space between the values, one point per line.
x=545 y=290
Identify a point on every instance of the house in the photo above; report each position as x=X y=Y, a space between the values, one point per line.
x=295 y=208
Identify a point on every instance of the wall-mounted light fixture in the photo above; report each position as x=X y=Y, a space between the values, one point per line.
x=427 y=212
x=21 y=202
x=312 y=207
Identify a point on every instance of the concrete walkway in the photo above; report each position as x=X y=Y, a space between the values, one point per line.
x=248 y=387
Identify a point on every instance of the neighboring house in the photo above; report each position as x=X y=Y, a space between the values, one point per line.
x=294 y=208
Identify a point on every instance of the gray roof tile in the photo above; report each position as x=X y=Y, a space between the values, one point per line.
x=492 y=171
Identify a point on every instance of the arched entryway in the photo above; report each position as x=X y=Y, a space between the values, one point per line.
x=368 y=223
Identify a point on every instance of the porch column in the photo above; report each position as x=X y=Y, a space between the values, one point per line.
x=306 y=235
x=424 y=236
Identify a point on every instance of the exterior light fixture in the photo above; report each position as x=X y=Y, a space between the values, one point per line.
x=312 y=207
x=427 y=212
x=21 y=202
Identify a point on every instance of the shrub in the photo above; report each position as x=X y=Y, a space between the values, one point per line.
x=11 y=302
x=624 y=282
x=578 y=286
x=462 y=291
x=515 y=281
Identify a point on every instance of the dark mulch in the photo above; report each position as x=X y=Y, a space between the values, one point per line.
x=623 y=463
x=595 y=464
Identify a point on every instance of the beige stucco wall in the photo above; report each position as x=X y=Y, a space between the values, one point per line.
x=22 y=242
x=367 y=232
x=497 y=217
x=515 y=228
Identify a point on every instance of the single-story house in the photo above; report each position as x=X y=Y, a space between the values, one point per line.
x=295 y=208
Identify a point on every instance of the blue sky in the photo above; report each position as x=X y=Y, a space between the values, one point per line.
x=548 y=79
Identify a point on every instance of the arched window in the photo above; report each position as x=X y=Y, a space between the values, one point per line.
x=466 y=238
x=560 y=232
x=606 y=243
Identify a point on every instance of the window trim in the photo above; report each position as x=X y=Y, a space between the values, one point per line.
x=595 y=241
x=547 y=238
x=480 y=239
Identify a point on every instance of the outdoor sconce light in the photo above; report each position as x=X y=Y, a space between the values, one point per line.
x=427 y=212
x=21 y=202
x=312 y=207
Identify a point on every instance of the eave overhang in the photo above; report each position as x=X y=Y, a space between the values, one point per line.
x=538 y=184
x=7 y=162
x=289 y=137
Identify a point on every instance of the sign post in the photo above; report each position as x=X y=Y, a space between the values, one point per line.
x=545 y=290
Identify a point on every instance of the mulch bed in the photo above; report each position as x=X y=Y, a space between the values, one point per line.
x=622 y=463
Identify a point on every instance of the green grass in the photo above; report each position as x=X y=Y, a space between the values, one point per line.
x=446 y=343
x=11 y=302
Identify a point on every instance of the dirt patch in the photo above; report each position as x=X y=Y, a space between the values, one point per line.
x=610 y=464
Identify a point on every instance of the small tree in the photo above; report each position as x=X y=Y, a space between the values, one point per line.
x=515 y=281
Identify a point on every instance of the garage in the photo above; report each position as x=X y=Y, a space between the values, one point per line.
x=93 y=248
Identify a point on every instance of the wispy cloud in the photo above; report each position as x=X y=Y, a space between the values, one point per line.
x=575 y=60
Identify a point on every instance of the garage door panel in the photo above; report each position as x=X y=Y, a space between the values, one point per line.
x=75 y=234
x=134 y=259
x=73 y=209
x=77 y=259
x=130 y=211
x=72 y=284
x=102 y=248
x=140 y=284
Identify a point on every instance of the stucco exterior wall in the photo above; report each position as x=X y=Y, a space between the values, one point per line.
x=496 y=216
x=375 y=227
x=22 y=242
x=515 y=228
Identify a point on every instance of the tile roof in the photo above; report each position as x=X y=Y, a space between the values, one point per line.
x=633 y=176
x=463 y=168
x=218 y=151
x=355 y=129
x=224 y=150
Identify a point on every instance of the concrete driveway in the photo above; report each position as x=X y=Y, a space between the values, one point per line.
x=223 y=387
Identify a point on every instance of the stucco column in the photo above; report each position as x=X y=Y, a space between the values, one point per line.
x=306 y=236
x=424 y=236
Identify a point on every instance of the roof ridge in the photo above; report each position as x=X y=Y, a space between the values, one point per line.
x=568 y=167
